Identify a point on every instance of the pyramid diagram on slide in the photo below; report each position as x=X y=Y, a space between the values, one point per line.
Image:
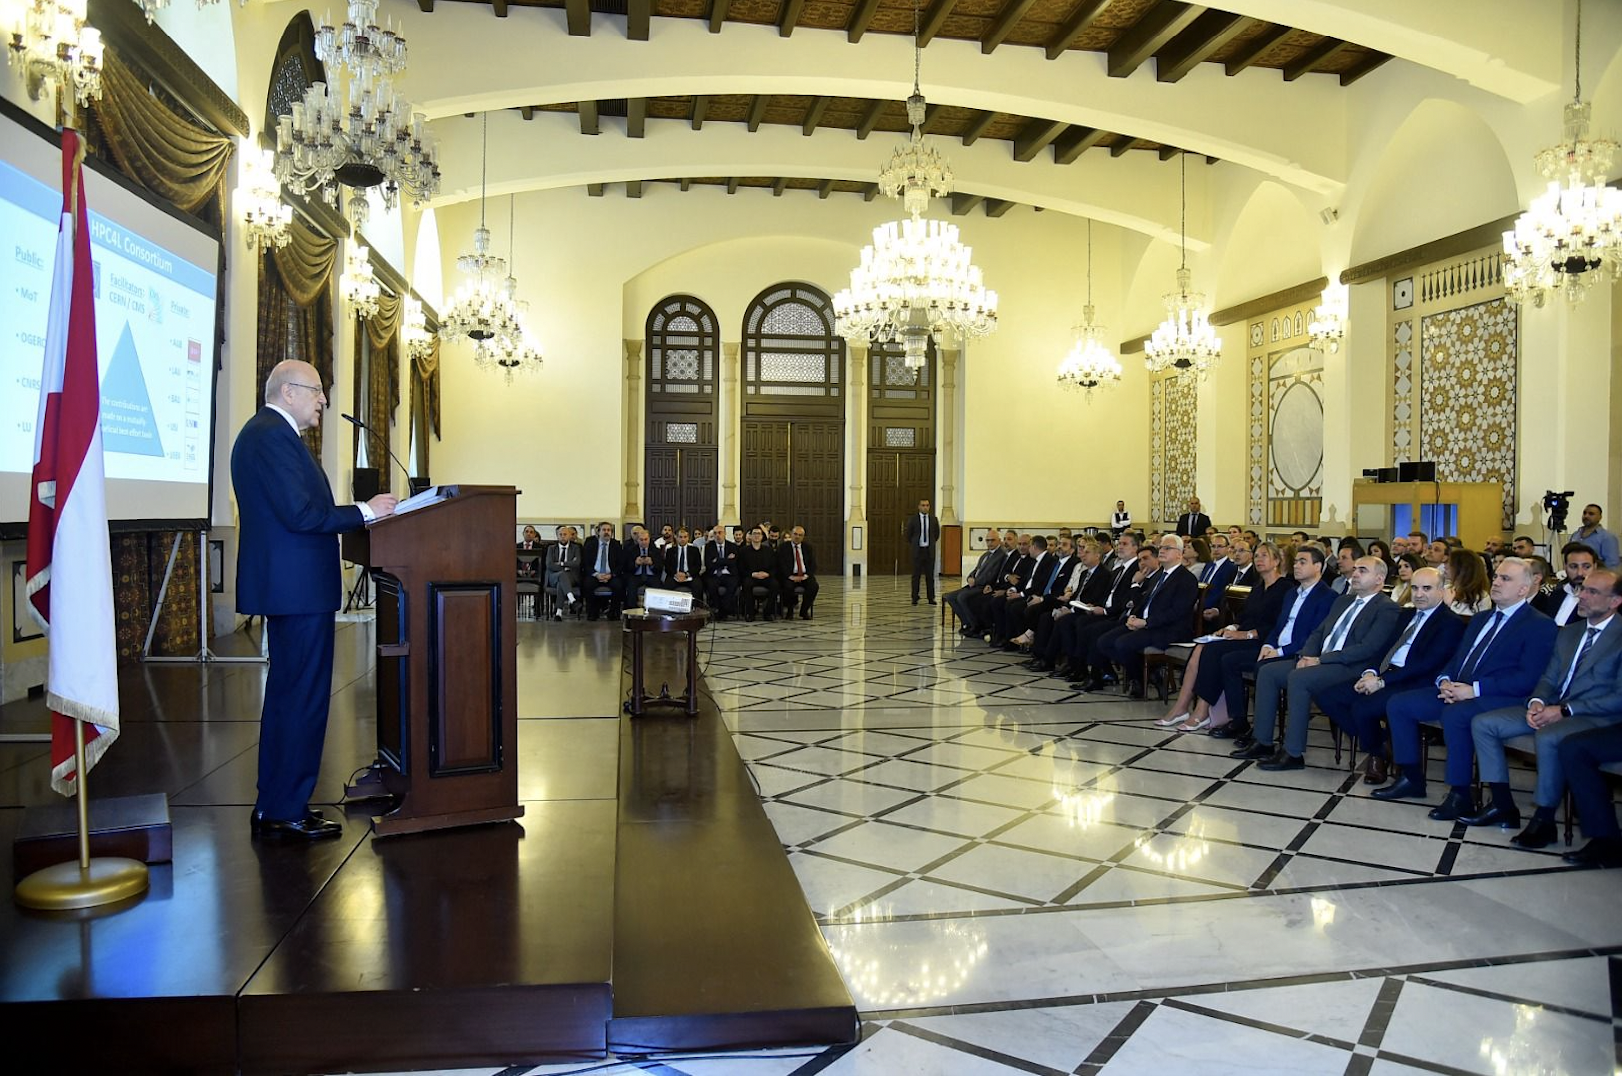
x=127 y=422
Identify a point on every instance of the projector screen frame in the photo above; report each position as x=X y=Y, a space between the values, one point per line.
x=16 y=529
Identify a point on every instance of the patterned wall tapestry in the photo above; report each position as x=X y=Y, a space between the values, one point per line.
x=1173 y=411
x=1468 y=366
x=1402 y=391
x=1284 y=468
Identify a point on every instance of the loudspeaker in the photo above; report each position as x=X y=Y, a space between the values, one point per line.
x=366 y=483
x=1388 y=474
x=418 y=485
x=1417 y=471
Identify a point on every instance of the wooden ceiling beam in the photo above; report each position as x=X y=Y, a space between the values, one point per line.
x=979 y=127
x=996 y=207
x=732 y=185
x=1120 y=147
x=1322 y=52
x=579 y=17
x=1156 y=26
x=1168 y=152
x=638 y=15
x=859 y=20
x=1080 y=19
x=1073 y=143
x=686 y=183
x=1255 y=48
x=500 y=7
x=870 y=192
x=780 y=186
x=527 y=111
x=932 y=20
x=962 y=204
x=870 y=118
x=718 y=15
x=701 y=105
x=790 y=17
x=1352 y=74
x=633 y=189
x=588 y=117
x=1035 y=137
x=1197 y=44
x=636 y=117
x=813 y=115
x=427 y=6
x=931 y=114
x=1012 y=11
x=826 y=189
x=757 y=111
x=594 y=189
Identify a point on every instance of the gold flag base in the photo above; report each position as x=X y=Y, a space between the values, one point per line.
x=67 y=886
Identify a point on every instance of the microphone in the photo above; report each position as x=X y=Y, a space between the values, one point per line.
x=357 y=422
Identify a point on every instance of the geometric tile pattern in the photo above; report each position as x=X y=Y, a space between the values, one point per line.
x=1468 y=366
x=1404 y=404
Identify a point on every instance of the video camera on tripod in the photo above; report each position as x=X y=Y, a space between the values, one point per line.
x=1557 y=505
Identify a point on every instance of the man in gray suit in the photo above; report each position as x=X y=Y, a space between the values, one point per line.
x=986 y=570
x=1581 y=689
x=1359 y=628
x=563 y=570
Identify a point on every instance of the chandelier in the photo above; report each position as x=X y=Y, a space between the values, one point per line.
x=358 y=286
x=150 y=8
x=482 y=309
x=1089 y=364
x=916 y=280
x=1185 y=340
x=414 y=334
x=515 y=352
x=258 y=198
x=50 y=45
x=1570 y=237
x=1328 y=325
x=362 y=134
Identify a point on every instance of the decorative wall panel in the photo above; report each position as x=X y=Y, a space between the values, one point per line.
x=1284 y=422
x=1468 y=369
x=1173 y=449
x=1404 y=405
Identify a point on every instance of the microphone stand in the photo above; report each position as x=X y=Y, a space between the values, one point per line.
x=360 y=596
x=357 y=422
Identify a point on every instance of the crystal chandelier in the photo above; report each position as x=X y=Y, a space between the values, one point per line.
x=362 y=134
x=514 y=352
x=916 y=280
x=1570 y=237
x=481 y=310
x=50 y=45
x=414 y=334
x=258 y=198
x=1328 y=325
x=150 y=8
x=1089 y=364
x=358 y=287
x=1185 y=340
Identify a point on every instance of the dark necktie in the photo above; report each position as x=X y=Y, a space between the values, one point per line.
x=1467 y=671
x=799 y=564
x=1148 y=599
x=681 y=559
x=1407 y=639
x=1588 y=640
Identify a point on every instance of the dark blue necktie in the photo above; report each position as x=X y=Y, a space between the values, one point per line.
x=1467 y=671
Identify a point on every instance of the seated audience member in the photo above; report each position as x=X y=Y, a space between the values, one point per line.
x=600 y=560
x=1436 y=553
x=1218 y=576
x=1244 y=562
x=531 y=542
x=1523 y=546
x=1560 y=604
x=1581 y=757
x=797 y=568
x=1073 y=636
x=666 y=539
x=1468 y=585
x=1160 y=617
x=721 y=573
x=1359 y=626
x=684 y=565
x=1492 y=549
x=1427 y=633
x=563 y=570
x=1581 y=689
x=1407 y=565
x=1378 y=547
x=1597 y=538
x=1300 y=613
x=1495 y=666
x=985 y=569
x=1346 y=557
x=1196 y=554
x=641 y=566
x=1088 y=584
x=1192 y=713
x=1018 y=593
x=1418 y=542
x=738 y=537
x=1022 y=617
x=758 y=567
x=1015 y=570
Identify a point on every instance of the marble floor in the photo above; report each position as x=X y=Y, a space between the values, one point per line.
x=1014 y=878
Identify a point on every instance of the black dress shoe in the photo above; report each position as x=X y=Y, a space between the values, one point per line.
x=1042 y=666
x=1233 y=730
x=805 y=614
x=1403 y=788
x=1539 y=833
x=915 y=601
x=312 y=827
x=1252 y=751
x=1599 y=852
x=1243 y=741
x=932 y=601
x=1283 y=760
x=1454 y=807
x=1376 y=774
x=1494 y=816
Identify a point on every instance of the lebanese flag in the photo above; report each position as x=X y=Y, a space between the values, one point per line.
x=70 y=572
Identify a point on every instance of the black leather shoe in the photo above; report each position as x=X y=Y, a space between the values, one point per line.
x=1233 y=730
x=1403 y=788
x=932 y=601
x=1455 y=807
x=1092 y=684
x=1283 y=760
x=312 y=827
x=1376 y=774
x=1254 y=751
x=805 y=614
x=1495 y=816
x=1243 y=742
x=1539 y=833
x=1599 y=852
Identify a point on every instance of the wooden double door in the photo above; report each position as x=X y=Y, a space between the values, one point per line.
x=896 y=480
x=681 y=487
x=793 y=472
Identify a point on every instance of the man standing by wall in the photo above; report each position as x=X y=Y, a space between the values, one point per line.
x=923 y=531
x=288 y=572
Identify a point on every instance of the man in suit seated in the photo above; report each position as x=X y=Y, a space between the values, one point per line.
x=797 y=569
x=640 y=566
x=1218 y=576
x=758 y=568
x=1427 y=635
x=563 y=570
x=1581 y=689
x=984 y=569
x=1075 y=636
x=1560 y=604
x=531 y=542
x=1162 y=616
x=600 y=558
x=1018 y=593
x=528 y=566
x=1303 y=611
x=1496 y=665
x=1089 y=584
x=1018 y=626
x=721 y=573
x=1244 y=563
x=1358 y=626
x=684 y=565
x=1581 y=757
x=1015 y=569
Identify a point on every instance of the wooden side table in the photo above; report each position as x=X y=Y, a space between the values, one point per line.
x=638 y=624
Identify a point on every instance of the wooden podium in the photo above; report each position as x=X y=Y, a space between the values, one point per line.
x=447 y=680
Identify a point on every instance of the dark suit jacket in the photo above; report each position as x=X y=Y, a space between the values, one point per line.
x=695 y=561
x=1056 y=581
x=1193 y=523
x=989 y=567
x=1038 y=573
x=287 y=540
x=1265 y=606
x=1218 y=583
x=1597 y=686
x=1432 y=647
x=1018 y=565
x=1549 y=604
x=588 y=556
x=913 y=537
x=1095 y=590
x=1245 y=577
x=1312 y=613
x=785 y=560
x=1170 y=605
x=629 y=552
x=1512 y=663
x=751 y=560
x=1368 y=638
x=715 y=554
x=1121 y=593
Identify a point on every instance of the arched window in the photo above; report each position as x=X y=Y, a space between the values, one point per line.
x=790 y=348
x=682 y=340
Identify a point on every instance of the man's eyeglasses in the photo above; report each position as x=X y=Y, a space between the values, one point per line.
x=317 y=389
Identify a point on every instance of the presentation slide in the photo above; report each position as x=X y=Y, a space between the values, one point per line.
x=155 y=293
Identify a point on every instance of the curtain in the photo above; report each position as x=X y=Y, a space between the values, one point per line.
x=426 y=370
x=295 y=308
x=382 y=389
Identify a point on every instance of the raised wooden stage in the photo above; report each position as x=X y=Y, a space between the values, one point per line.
x=643 y=903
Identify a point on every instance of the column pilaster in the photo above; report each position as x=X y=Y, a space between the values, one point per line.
x=946 y=425
x=633 y=430
x=731 y=466
x=856 y=384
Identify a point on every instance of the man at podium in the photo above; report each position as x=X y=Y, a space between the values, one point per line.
x=288 y=572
